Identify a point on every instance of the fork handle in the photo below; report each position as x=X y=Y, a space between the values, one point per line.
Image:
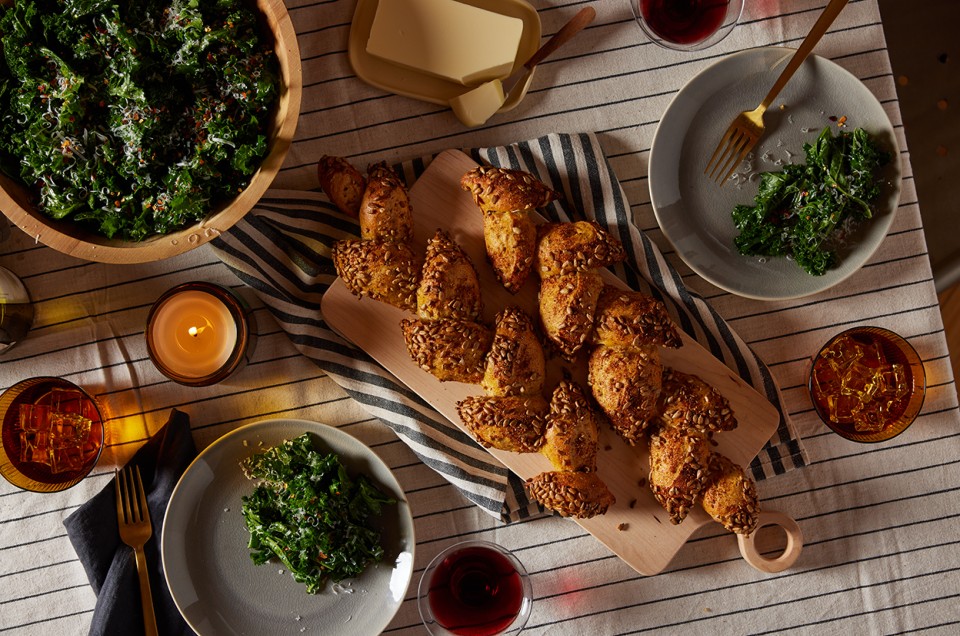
x=146 y=598
x=819 y=28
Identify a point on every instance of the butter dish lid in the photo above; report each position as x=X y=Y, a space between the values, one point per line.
x=408 y=82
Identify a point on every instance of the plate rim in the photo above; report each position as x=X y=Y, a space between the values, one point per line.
x=660 y=133
x=311 y=426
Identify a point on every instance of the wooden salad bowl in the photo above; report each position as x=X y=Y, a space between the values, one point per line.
x=76 y=240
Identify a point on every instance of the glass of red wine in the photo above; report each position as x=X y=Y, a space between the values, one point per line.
x=686 y=25
x=475 y=588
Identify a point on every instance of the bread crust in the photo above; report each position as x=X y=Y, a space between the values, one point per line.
x=515 y=364
x=387 y=272
x=449 y=284
x=571 y=494
x=626 y=385
x=567 y=309
x=450 y=349
x=342 y=183
x=385 y=210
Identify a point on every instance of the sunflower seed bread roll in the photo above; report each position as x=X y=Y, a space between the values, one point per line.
x=567 y=248
x=505 y=198
x=506 y=190
x=515 y=363
x=633 y=319
x=449 y=283
x=342 y=183
x=510 y=423
x=388 y=272
x=626 y=385
x=730 y=497
x=689 y=403
x=446 y=340
x=572 y=432
x=450 y=349
x=381 y=264
x=510 y=239
x=571 y=494
x=680 y=465
x=567 y=308
x=385 y=211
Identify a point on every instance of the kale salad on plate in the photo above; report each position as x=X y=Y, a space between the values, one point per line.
x=311 y=514
x=134 y=117
x=805 y=211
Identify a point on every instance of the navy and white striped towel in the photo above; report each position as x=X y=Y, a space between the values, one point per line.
x=282 y=250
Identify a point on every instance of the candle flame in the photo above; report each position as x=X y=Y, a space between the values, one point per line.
x=195 y=331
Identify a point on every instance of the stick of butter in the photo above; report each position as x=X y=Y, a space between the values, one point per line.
x=445 y=38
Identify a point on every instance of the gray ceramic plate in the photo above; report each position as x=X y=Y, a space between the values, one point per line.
x=217 y=587
x=694 y=212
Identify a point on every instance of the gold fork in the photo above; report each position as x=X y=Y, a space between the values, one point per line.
x=133 y=517
x=747 y=128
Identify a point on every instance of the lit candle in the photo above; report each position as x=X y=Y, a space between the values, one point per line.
x=197 y=333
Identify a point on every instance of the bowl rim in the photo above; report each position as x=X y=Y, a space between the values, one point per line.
x=71 y=239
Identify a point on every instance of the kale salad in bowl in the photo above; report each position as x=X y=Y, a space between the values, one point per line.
x=131 y=131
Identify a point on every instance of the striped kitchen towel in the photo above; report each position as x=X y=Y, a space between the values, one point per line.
x=282 y=250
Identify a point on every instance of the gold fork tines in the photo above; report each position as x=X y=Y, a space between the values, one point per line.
x=747 y=127
x=133 y=518
x=740 y=138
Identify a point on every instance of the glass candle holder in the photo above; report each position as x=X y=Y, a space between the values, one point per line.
x=686 y=25
x=867 y=384
x=475 y=588
x=16 y=310
x=52 y=434
x=199 y=333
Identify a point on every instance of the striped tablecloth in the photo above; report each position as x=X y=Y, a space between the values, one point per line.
x=879 y=521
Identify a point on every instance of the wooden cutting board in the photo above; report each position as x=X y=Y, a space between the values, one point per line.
x=636 y=528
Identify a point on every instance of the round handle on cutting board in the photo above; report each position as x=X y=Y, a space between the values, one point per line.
x=748 y=548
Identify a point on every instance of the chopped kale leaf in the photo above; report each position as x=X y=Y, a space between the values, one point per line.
x=309 y=513
x=798 y=209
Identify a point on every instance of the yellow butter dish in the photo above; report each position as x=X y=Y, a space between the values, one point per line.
x=455 y=41
x=404 y=80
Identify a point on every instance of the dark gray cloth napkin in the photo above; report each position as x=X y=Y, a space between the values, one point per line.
x=110 y=563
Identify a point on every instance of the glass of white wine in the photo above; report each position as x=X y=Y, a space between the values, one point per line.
x=16 y=310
